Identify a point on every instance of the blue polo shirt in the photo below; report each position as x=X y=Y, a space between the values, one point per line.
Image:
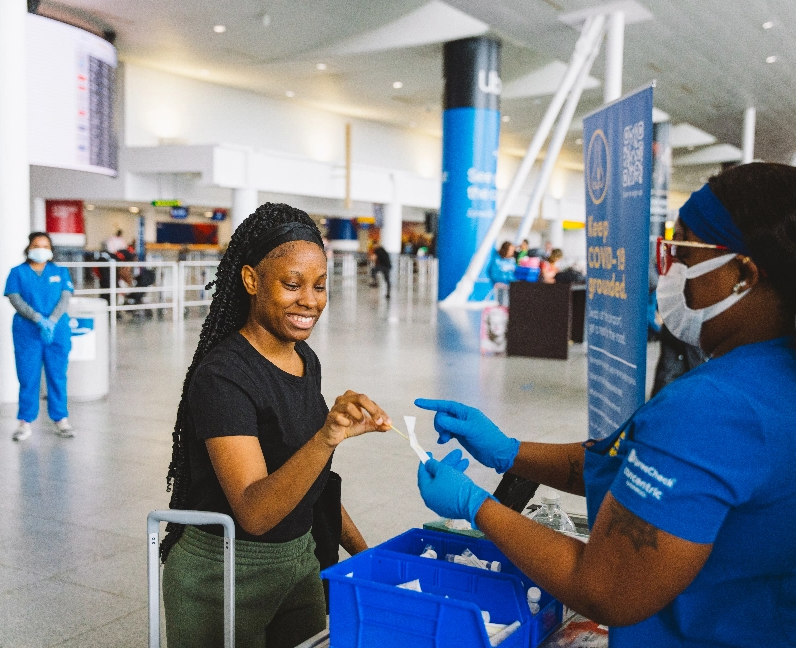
x=41 y=292
x=712 y=459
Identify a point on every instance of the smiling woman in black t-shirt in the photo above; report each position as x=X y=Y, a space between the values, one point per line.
x=254 y=439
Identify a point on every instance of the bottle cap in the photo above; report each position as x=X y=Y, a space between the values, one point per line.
x=534 y=595
x=551 y=497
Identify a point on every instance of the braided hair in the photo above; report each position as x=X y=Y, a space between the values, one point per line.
x=229 y=311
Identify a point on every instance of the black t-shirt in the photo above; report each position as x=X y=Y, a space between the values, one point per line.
x=235 y=391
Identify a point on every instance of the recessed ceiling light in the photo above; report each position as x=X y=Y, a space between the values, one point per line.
x=290 y=93
x=505 y=118
x=219 y=29
x=266 y=20
x=397 y=85
x=204 y=72
x=208 y=214
x=768 y=25
x=89 y=207
x=771 y=59
x=320 y=66
x=691 y=148
x=579 y=141
x=134 y=210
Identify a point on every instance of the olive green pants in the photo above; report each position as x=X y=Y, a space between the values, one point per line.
x=278 y=592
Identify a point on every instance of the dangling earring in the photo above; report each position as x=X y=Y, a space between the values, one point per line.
x=738 y=287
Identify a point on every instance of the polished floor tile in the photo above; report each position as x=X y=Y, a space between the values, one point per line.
x=73 y=538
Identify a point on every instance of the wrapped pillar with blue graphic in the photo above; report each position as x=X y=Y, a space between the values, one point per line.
x=618 y=164
x=470 y=134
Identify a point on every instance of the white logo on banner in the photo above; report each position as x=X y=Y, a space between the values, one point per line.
x=495 y=85
x=633 y=155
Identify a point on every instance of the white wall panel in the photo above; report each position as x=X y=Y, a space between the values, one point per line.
x=161 y=106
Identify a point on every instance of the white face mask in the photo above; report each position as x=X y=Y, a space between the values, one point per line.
x=40 y=255
x=686 y=323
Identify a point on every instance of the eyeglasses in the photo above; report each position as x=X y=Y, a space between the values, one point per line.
x=666 y=251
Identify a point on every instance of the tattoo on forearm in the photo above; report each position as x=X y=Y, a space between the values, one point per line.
x=642 y=534
x=575 y=478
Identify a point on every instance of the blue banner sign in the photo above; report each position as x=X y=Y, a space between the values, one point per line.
x=618 y=164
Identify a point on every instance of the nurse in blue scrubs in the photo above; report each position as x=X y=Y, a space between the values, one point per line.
x=691 y=502
x=39 y=290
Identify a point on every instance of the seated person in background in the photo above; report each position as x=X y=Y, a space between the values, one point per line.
x=522 y=251
x=550 y=266
x=501 y=268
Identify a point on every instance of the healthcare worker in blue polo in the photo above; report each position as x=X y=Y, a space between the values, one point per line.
x=692 y=501
x=40 y=291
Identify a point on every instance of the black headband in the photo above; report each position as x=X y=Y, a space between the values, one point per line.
x=275 y=237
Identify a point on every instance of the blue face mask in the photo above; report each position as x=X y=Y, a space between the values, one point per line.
x=40 y=255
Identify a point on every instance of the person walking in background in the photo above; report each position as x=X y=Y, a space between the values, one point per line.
x=381 y=263
x=40 y=291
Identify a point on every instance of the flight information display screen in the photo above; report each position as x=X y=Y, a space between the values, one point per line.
x=71 y=85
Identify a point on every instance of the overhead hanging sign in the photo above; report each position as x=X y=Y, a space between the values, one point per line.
x=166 y=203
x=618 y=164
x=71 y=92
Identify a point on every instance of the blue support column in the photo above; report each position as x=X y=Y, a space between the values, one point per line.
x=470 y=135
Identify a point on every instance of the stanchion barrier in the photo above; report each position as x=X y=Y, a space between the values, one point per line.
x=163 y=270
x=190 y=282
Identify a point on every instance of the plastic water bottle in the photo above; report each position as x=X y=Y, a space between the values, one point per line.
x=551 y=514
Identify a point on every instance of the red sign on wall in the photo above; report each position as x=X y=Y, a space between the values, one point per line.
x=65 y=222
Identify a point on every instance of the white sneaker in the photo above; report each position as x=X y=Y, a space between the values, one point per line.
x=64 y=429
x=22 y=432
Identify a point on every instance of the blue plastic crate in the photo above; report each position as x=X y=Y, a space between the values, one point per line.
x=414 y=541
x=367 y=610
x=526 y=274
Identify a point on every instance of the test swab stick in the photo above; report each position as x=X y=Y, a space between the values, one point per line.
x=399 y=432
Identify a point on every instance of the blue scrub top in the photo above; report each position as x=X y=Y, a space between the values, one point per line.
x=41 y=292
x=711 y=459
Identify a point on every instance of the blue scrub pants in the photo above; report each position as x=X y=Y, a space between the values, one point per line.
x=30 y=354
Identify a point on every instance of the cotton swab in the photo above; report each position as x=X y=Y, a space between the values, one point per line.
x=399 y=432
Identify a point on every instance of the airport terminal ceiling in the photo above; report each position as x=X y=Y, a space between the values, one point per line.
x=708 y=56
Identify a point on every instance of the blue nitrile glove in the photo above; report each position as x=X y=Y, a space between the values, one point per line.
x=46 y=330
x=447 y=491
x=473 y=429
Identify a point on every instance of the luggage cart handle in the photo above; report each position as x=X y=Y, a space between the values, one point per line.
x=199 y=518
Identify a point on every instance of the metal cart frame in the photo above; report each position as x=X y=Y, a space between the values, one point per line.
x=153 y=542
